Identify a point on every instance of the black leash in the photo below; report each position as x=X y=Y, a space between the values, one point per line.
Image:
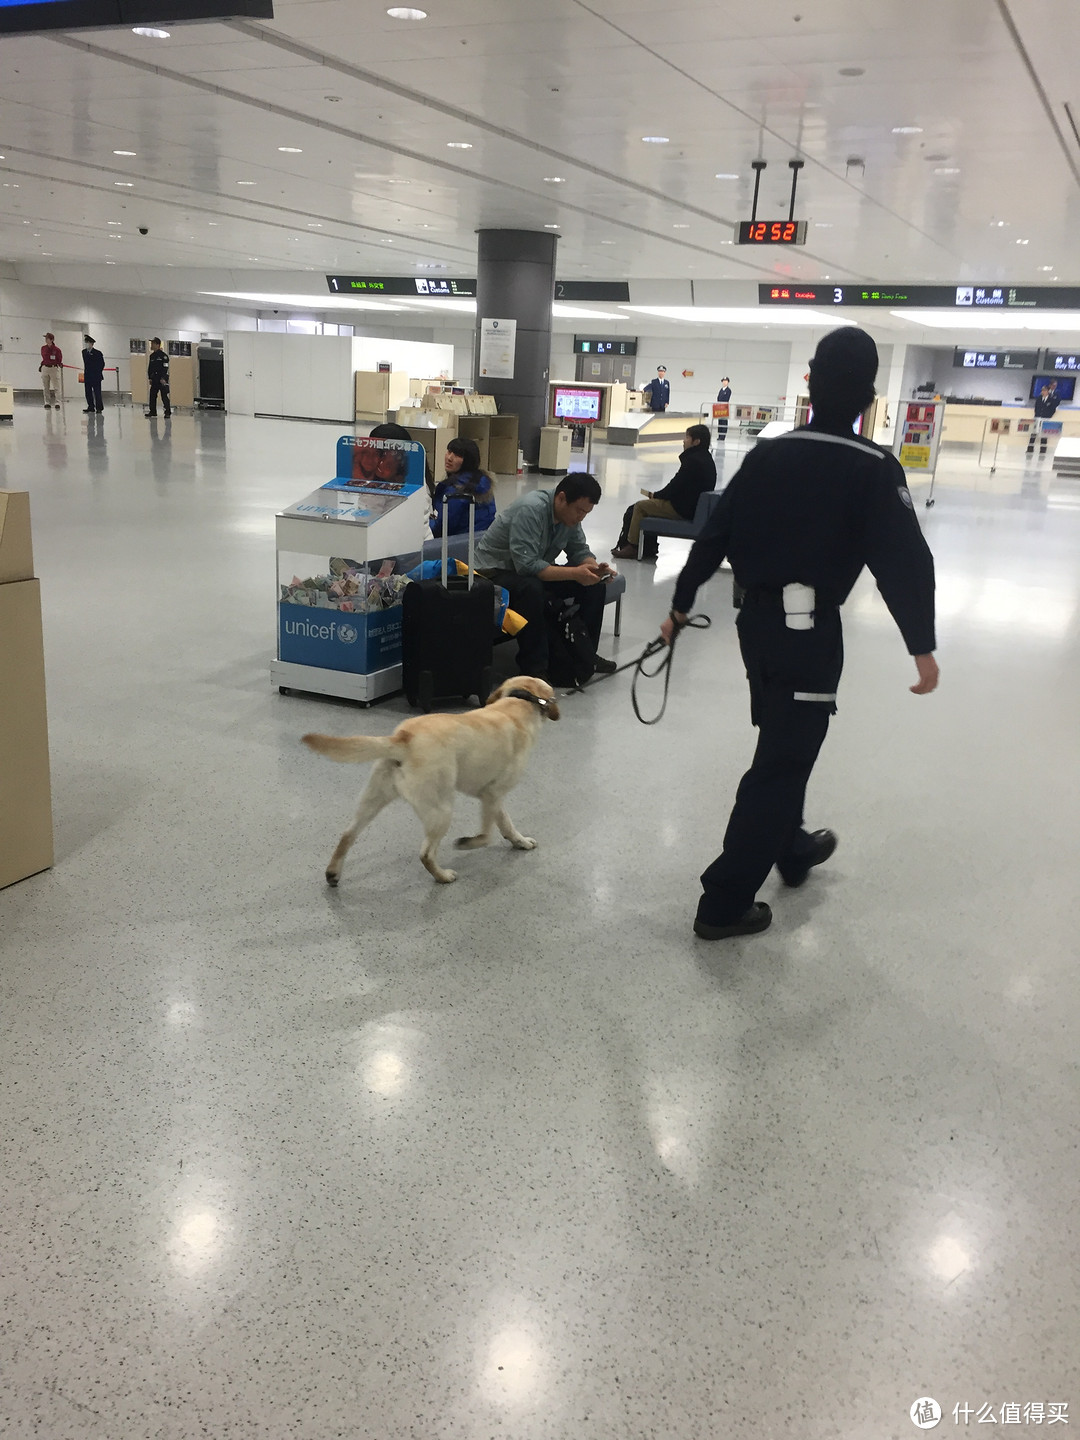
x=695 y=622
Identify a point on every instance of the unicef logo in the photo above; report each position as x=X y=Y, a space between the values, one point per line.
x=347 y=634
x=925 y=1413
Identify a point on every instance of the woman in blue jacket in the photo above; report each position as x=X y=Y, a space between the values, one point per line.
x=466 y=484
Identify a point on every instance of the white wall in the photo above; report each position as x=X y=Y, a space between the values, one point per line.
x=417 y=358
x=27 y=311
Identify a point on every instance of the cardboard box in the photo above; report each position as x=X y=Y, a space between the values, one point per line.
x=16 y=550
x=26 y=839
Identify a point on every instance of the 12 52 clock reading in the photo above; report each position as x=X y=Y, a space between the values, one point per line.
x=772 y=232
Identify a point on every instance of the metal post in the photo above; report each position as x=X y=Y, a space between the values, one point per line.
x=758 y=166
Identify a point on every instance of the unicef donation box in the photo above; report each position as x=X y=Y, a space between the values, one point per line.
x=343 y=553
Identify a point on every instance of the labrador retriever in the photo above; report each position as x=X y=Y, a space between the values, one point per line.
x=481 y=753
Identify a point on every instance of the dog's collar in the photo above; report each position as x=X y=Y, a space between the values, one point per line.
x=536 y=700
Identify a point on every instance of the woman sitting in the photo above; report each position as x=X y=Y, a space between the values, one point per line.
x=466 y=485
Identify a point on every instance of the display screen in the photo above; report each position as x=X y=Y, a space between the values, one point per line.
x=1061 y=364
x=995 y=359
x=590 y=345
x=612 y=291
x=400 y=285
x=772 y=232
x=579 y=405
x=17 y=18
x=1062 y=386
x=926 y=297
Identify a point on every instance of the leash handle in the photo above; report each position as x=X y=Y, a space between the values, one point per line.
x=693 y=622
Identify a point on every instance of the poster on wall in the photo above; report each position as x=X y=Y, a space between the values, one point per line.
x=498 y=341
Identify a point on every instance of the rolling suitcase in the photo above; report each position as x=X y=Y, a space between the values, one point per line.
x=447 y=633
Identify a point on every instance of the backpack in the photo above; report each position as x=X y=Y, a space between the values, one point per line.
x=571 y=652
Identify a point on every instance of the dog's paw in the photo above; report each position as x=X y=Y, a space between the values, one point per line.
x=471 y=842
x=332 y=878
x=523 y=842
x=446 y=877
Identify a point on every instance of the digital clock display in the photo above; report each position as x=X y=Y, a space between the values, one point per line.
x=772 y=232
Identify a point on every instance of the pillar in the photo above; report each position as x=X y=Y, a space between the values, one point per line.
x=515 y=280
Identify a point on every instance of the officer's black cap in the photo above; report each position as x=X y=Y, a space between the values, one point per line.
x=847 y=356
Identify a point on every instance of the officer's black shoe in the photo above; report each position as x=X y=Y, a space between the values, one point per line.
x=821 y=845
x=604 y=667
x=756 y=919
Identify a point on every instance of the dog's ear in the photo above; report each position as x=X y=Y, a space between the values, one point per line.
x=497 y=693
x=552 y=710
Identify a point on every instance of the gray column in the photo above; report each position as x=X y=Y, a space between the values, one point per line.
x=515 y=280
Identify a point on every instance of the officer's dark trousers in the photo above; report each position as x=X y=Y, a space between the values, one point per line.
x=765 y=827
x=159 y=387
x=93 y=394
x=528 y=596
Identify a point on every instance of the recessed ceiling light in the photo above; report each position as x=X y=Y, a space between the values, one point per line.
x=1023 y=242
x=123 y=152
x=852 y=70
x=110 y=262
x=37 y=234
x=998 y=224
x=554 y=179
x=247 y=182
x=607 y=242
x=551 y=227
x=253 y=257
x=725 y=175
x=680 y=227
x=112 y=222
x=125 y=184
x=1046 y=268
x=387 y=240
x=289 y=150
x=406 y=12
x=458 y=145
x=394 y=180
x=314 y=224
x=823 y=225
x=149 y=32
x=655 y=140
x=211 y=222
x=947 y=170
x=907 y=129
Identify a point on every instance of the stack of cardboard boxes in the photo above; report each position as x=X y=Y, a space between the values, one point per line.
x=26 y=840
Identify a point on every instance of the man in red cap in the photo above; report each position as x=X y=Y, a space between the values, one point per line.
x=51 y=362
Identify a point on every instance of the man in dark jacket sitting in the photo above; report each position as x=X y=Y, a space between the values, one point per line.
x=677 y=500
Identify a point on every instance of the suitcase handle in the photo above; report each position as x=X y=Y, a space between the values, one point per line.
x=446 y=541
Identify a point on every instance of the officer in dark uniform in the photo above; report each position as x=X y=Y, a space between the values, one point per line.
x=657 y=392
x=157 y=372
x=799 y=520
x=1046 y=403
x=93 y=371
x=723 y=397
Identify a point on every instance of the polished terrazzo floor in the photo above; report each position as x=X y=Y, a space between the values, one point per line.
x=519 y=1157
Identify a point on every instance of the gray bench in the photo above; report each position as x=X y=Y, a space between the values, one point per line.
x=458 y=548
x=679 y=529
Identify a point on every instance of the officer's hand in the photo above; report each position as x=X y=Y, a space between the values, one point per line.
x=667 y=629
x=927 y=667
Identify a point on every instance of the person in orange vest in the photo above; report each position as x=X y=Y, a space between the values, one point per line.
x=52 y=360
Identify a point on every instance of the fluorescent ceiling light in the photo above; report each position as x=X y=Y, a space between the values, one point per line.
x=741 y=315
x=458 y=145
x=554 y=180
x=947 y=170
x=725 y=175
x=124 y=152
x=125 y=184
x=303 y=302
x=289 y=150
x=247 y=182
x=655 y=140
x=551 y=227
x=406 y=12
x=907 y=130
x=149 y=32
x=992 y=319
x=575 y=312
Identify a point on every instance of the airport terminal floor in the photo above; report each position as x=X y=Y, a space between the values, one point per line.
x=519 y=1156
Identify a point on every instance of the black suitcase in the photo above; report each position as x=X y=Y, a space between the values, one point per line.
x=447 y=634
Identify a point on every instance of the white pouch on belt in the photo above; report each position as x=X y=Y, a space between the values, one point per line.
x=799 y=607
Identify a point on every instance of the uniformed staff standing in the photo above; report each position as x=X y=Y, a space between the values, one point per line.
x=799 y=520
x=157 y=372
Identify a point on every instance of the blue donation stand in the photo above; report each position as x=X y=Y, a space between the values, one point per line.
x=342 y=554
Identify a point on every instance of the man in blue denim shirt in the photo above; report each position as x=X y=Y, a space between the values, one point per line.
x=519 y=551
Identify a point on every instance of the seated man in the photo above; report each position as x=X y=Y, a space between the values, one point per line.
x=519 y=551
x=678 y=499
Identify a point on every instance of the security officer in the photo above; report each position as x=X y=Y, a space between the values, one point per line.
x=657 y=392
x=93 y=372
x=723 y=397
x=157 y=372
x=799 y=520
x=1046 y=403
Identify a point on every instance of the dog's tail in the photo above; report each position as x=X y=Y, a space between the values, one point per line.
x=354 y=749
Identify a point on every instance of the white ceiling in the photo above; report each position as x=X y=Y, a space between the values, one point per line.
x=542 y=88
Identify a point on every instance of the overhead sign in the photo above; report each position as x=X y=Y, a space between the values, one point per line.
x=1063 y=364
x=613 y=291
x=598 y=345
x=962 y=298
x=995 y=359
x=399 y=285
x=498 y=343
x=772 y=232
x=25 y=19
